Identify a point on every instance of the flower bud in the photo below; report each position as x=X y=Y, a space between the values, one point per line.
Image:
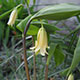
x=13 y=17
x=41 y=43
x=71 y=77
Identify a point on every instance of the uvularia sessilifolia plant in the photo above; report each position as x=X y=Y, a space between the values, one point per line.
x=40 y=44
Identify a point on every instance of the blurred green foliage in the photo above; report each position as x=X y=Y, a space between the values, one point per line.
x=63 y=46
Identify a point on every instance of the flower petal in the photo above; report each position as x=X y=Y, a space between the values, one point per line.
x=32 y=47
x=42 y=52
x=12 y=17
x=37 y=49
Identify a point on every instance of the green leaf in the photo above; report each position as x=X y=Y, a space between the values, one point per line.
x=2 y=27
x=7 y=35
x=36 y=25
x=33 y=30
x=58 y=12
x=55 y=50
x=51 y=52
x=74 y=31
x=58 y=55
x=61 y=71
x=49 y=27
x=20 y=11
x=28 y=1
x=5 y=14
x=64 y=72
x=22 y=24
x=76 y=57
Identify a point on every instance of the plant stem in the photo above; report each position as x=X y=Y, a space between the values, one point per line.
x=24 y=48
x=34 y=61
x=25 y=60
x=78 y=18
x=46 y=70
x=27 y=7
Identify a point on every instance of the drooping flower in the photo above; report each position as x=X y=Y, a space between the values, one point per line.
x=13 y=17
x=71 y=77
x=41 y=43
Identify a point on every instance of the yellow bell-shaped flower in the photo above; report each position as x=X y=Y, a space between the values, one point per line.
x=13 y=17
x=41 y=43
x=70 y=77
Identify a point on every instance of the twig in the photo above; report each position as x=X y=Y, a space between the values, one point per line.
x=46 y=70
x=34 y=61
x=25 y=61
x=24 y=48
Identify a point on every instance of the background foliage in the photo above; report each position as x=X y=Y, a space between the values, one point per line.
x=63 y=49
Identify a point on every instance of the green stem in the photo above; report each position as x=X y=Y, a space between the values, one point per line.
x=46 y=70
x=28 y=7
x=78 y=18
x=19 y=6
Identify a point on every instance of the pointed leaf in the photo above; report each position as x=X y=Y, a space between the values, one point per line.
x=55 y=50
x=32 y=29
x=64 y=73
x=76 y=57
x=22 y=24
x=5 y=14
x=58 y=12
x=28 y=1
x=58 y=55
x=51 y=52
x=49 y=27
x=36 y=25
